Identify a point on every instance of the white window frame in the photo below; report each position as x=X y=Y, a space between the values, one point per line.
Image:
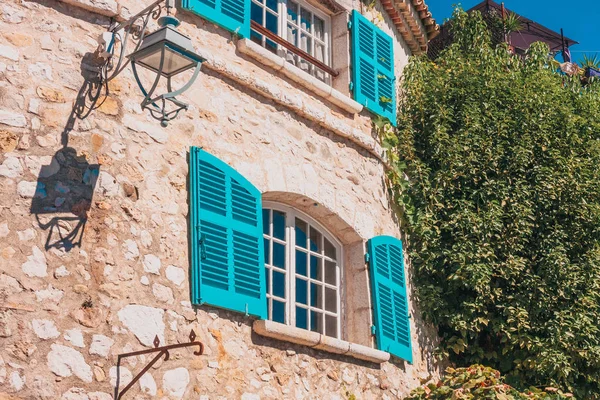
x=290 y=259
x=282 y=14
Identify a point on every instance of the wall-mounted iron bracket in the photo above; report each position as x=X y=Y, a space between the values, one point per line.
x=162 y=351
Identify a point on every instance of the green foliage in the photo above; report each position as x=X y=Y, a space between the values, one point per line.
x=479 y=382
x=590 y=61
x=512 y=23
x=502 y=207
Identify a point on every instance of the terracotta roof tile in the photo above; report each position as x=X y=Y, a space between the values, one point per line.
x=415 y=32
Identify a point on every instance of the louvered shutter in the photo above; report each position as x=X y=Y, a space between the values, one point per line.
x=233 y=15
x=373 y=80
x=390 y=300
x=228 y=268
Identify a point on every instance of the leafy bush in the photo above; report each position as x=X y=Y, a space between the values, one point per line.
x=479 y=382
x=502 y=206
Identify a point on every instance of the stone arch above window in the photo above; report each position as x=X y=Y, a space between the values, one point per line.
x=327 y=218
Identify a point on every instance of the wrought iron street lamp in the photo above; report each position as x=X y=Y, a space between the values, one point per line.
x=166 y=52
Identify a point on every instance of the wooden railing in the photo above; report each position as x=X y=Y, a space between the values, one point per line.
x=284 y=43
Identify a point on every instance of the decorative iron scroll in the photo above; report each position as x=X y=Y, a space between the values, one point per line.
x=109 y=60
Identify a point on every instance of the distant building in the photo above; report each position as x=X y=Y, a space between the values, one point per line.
x=520 y=41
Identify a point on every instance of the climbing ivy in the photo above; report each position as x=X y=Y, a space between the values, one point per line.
x=495 y=165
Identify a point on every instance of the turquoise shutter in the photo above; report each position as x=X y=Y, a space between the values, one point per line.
x=373 y=80
x=227 y=251
x=233 y=15
x=390 y=300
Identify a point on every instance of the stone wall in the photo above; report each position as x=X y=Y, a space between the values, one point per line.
x=75 y=292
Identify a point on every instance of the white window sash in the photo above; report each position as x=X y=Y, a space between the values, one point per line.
x=282 y=28
x=290 y=248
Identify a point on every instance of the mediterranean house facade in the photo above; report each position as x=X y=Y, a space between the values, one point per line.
x=258 y=218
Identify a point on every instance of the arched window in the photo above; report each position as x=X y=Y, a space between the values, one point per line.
x=303 y=267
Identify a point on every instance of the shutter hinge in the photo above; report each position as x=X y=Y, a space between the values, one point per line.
x=202 y=244
x=349 y=24
x=367 y=258
x=351 y=85
x=373 y=329
x=247 y=310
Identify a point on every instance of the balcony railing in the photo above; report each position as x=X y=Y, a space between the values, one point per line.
x=258 y=28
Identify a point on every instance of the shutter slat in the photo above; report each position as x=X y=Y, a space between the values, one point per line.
x=374 y=84
x=233 y=15
x=390 y=301
x=227 y=237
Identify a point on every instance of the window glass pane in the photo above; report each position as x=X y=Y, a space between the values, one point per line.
x=330 y=300
x=278 y=284
x=305 y=19
x=319 y=52
x=271 y=23
x=256 y=38
x=271 y=46
x=267 y=252
x=292 y=37
x=329 y=249
x=321 y=75
x=305 y=44
x=331 y=326
x=266 y=215
x=301 y=261
x=315 y=240
x=301 y=233
x=272 y=4
x=319 y=27
x=278 y=311
x=301 y=318
x=256 y=13
x=316 y=321
x=278 y=255
x=315 y=268
x=316 y=295
x=301 y=291
x=330 y=272
x=292 y=11
x=278 y=224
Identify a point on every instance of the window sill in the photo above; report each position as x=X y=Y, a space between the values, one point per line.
x=318 y=341
x=264 y=56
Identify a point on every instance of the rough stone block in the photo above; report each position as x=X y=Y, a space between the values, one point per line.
x=110 y=8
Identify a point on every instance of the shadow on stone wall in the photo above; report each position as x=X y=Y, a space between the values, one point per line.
x=63 y=198
x=64 y=190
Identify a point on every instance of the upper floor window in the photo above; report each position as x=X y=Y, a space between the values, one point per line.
x=303 y=271
x=300 y=24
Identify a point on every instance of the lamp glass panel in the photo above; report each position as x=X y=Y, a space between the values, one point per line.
x=173 y=61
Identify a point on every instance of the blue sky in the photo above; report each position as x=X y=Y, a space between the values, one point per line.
x=579 y=19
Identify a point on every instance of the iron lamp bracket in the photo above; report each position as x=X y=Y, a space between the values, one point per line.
x=110 y=60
